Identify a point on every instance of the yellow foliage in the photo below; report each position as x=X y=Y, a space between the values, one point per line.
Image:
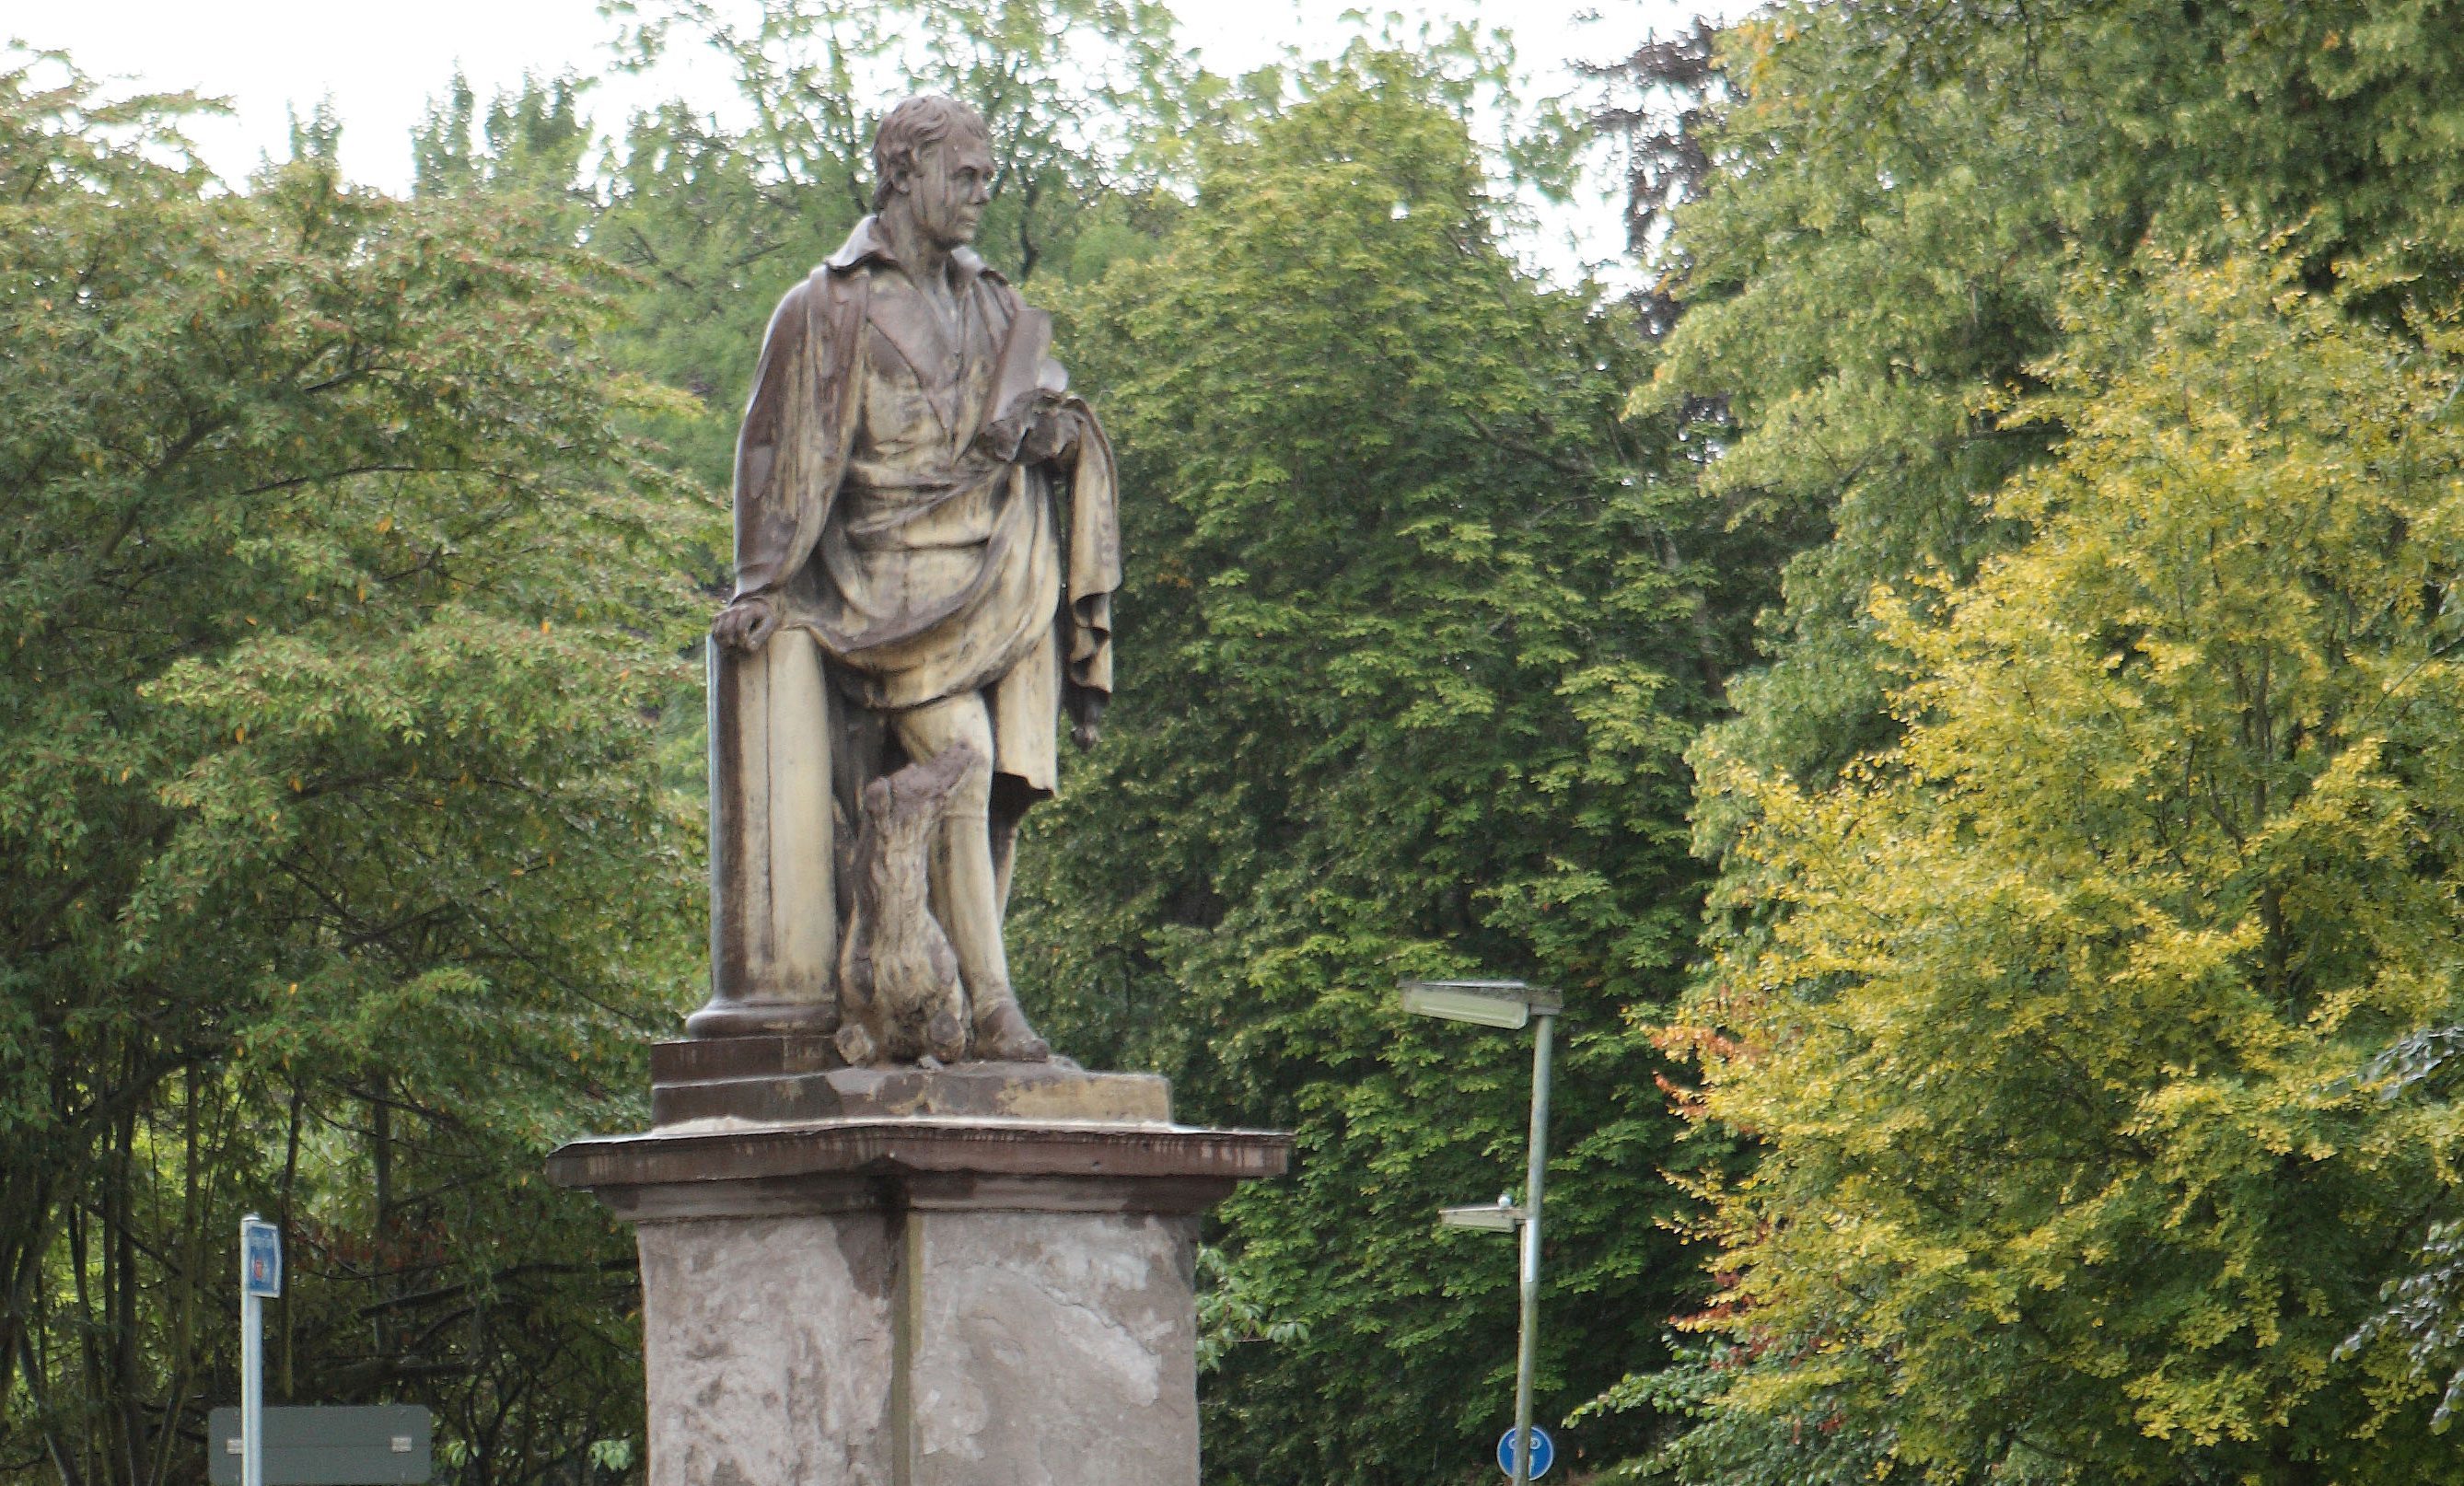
x=2055 y=1020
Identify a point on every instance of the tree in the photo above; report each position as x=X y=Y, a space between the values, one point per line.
x=1085 y=99
x=530 y=140
x=1408 y=653
x=714 y=239
x=333 y=873
x=1896 y=191
x=2059 y=1021
x=1891 y=198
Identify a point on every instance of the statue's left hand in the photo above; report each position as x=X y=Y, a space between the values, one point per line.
x=1086 y=708
x=748 y=621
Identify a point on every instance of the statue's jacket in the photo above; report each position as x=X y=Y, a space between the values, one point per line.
x=882 y=500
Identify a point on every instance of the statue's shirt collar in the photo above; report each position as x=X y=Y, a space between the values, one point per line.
x=869 y=244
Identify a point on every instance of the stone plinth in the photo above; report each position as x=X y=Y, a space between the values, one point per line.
x=771 y=1079
x=900 y=1296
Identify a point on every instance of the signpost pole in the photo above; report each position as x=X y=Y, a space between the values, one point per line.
x=251 y=1364
x=1527 y=1343
x=260 y=1279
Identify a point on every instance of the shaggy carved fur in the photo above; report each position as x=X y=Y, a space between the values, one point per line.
x=900 y=999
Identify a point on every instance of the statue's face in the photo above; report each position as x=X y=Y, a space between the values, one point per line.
x=947 y=189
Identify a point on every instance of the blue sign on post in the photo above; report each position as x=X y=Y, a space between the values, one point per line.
x=260 y=1247
x=1544 y=1452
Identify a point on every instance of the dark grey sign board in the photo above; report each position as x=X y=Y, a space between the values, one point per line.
x=383 y=1445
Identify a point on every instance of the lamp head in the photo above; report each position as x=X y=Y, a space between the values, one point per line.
x=1487 y=1003
x=1499 y=1218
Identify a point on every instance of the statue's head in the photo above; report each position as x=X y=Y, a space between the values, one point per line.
x=933 y=160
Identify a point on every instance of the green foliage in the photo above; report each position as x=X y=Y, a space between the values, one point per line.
x=1898 y=189
x=533 y=139
x=1407 y=661
x=1803 y=1444
x=1894 y=197
x=1229 y=1313
x=2421 y=1308
x=1084 y=97
x=2061 y=1040
x=333 y=875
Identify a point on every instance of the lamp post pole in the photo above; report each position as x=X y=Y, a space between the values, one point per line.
x=1527 y=1347
x=1510 y=1005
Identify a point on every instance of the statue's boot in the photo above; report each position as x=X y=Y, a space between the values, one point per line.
x=1003 y=1035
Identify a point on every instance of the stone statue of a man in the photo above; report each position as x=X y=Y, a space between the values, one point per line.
x=926 y=550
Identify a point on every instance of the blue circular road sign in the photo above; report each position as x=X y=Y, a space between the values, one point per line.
x=1544 y=1453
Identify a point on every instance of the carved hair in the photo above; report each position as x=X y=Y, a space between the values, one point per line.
x=915 y=126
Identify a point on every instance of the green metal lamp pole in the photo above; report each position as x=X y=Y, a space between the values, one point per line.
x=1509 y=1005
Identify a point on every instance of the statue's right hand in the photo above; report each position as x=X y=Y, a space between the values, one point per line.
x=746 y=624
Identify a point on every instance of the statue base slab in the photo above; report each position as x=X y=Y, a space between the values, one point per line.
x=921 y=1299
x=773 y=1079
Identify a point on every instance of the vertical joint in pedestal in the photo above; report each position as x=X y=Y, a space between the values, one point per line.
x=906 y=1319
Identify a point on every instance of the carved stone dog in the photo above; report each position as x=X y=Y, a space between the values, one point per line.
x=900 y=997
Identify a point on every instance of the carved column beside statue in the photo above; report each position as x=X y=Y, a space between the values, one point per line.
x=887 y=1238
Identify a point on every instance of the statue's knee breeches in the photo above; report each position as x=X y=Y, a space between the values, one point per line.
x=924 y=732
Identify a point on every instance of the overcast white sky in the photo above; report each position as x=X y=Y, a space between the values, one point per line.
x=381 y=62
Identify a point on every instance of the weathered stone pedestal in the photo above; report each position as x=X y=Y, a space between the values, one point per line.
x=976 y=1276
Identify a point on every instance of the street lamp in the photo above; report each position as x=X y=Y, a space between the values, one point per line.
x=1510 y=1004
